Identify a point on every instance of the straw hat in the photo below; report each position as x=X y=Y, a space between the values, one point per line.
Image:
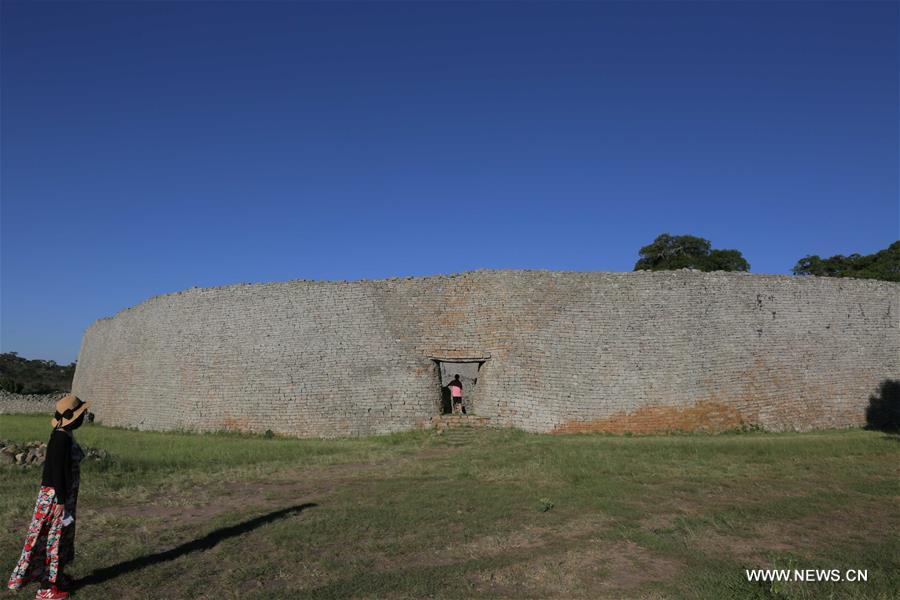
x=68 y=408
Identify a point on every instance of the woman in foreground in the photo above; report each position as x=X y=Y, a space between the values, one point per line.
x=49 y=545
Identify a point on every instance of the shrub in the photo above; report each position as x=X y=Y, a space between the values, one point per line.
x=883 y=412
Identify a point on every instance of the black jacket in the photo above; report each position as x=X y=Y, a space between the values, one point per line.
x=58 y=464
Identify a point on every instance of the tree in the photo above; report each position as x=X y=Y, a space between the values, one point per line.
x=727 y=260
x=21 y=375
x=671 y=252
x=884 y=264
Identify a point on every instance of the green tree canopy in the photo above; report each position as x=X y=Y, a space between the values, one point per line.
x=671 y=252
x=884 y=264
x=18 y=374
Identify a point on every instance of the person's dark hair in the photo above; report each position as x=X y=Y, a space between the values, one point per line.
x=456 y=376
x=76 y=423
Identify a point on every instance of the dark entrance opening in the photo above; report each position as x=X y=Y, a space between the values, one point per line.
x=468 y=370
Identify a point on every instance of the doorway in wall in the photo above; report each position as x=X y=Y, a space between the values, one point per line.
x=467 y=370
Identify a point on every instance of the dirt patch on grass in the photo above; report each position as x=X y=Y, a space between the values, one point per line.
x=816 y=534
x=432 y=452
x=658 y=522
x=452 y=548
x=493 y=545
x=228 y=498
x=202 y=503
x=561 y=560
x=811 y=536
x=597 y=568
x=663 y=513
x=749 y=550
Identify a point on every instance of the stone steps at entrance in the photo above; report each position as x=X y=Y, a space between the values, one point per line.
x=442 y=422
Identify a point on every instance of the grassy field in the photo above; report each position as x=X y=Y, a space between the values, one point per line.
x=471 y=513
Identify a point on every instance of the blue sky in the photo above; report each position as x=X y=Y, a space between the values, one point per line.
x=148 y=147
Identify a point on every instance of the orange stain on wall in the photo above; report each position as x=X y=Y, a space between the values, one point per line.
x=702 y=416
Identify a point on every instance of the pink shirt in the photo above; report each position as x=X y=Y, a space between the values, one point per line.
x=455 y=390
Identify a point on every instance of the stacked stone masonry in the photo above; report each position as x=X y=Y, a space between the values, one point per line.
x=29 y=403
x=563 y=352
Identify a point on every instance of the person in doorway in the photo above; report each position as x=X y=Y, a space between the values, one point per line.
x=50 y=543
x=456 y=395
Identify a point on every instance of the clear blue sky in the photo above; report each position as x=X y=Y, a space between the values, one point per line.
x=148 y=147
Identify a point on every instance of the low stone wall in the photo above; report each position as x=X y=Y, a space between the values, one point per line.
x=28 y=403
x=35 y=453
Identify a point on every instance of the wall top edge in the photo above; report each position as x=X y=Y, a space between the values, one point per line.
x=677 y=274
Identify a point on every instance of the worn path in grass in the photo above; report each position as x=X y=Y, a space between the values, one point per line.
x=466 y=514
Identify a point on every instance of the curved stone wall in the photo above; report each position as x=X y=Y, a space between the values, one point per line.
x=563 y=351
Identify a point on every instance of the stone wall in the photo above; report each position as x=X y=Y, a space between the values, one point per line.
x=563 y=351
x=28 y=403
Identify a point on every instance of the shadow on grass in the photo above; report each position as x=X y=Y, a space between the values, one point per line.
x=204 y=543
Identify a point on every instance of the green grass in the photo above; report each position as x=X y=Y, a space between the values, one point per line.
x=485 y=513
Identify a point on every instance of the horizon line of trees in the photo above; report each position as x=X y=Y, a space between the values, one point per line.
x=884 y=265
x=673 y=252
x=23 y=376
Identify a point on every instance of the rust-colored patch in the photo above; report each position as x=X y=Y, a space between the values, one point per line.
x=702 y=416
x=236 y=424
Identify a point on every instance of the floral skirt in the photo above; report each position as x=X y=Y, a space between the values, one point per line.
x=40 y=556
x=67 y=541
